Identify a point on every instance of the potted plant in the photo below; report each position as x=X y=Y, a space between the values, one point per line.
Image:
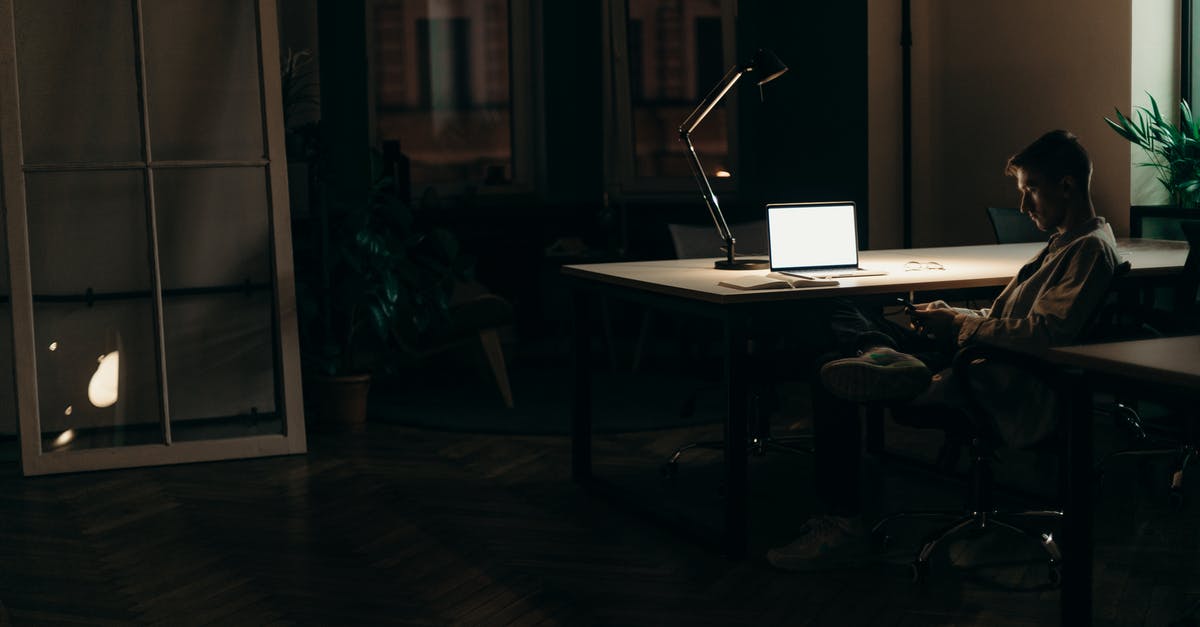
x=371 y=273
x=1174 y=150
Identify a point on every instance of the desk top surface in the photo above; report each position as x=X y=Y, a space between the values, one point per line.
x=988 y=265
x=1169 y=360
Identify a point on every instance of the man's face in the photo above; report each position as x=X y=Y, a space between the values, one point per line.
x=1044 y=201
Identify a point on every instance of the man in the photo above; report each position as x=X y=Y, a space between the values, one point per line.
x=1049 y=302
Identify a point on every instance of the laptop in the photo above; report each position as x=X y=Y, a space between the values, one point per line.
x=815 y=240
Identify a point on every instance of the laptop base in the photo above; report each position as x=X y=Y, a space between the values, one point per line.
x=742 y=264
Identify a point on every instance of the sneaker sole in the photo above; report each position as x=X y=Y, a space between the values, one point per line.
x=857 y=380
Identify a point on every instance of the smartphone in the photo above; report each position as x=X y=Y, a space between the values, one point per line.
x=907 y=304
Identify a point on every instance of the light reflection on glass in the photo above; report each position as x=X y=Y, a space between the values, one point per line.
x=68 y=410
x=723 y=174
x=53 y=346
x=102 y=389
x=65 y=437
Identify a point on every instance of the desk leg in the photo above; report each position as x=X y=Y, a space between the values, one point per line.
x=735 y=437
x=581 y=407
x=1077 y=511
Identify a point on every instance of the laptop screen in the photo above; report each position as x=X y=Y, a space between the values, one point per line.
x=812 y=235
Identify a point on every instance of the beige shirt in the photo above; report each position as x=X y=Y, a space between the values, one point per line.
x=1053 y=296
x=1050 y=302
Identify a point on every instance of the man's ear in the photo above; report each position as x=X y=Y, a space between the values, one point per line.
x=1069 y=186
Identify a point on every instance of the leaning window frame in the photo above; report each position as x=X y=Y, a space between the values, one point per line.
x=621 y=178
x=523 y=90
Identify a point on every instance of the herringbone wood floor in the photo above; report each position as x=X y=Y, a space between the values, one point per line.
x=403 y=526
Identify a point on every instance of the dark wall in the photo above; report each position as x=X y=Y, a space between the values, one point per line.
x=808 y=139
x=573 y=113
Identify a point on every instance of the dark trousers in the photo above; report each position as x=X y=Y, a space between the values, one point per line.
x=836 y=425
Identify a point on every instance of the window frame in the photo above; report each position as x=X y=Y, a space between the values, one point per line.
x=14 y=168
x=524 y=91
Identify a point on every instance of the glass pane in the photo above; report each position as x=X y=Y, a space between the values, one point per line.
x=675 y=59
x=87 y=230
x=213 y=227
x=202 y=79
x=1163 y=228
x=443 y=88
x=220 y=371
x=97 y=374
x=75 y=63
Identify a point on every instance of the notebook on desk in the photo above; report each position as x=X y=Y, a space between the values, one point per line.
x=817 y=240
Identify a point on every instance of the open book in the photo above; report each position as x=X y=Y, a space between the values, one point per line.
x=772 y=281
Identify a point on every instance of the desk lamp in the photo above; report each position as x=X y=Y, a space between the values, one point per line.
x=767 y=67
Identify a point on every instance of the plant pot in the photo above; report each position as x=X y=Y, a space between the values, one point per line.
x=339 y=403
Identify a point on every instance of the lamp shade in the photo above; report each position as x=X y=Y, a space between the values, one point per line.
x=765 y=66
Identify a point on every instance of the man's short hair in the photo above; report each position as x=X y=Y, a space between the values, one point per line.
x=1053 y=156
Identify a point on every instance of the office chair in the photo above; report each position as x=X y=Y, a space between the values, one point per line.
x=700 y=242
x=972 y=426
x=1010 y=227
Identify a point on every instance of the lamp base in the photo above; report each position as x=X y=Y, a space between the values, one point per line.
x=742 y=264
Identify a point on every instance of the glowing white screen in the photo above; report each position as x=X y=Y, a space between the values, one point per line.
x=805 y=236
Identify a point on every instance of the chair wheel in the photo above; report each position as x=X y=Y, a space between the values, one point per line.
x=1054 y=574
x=919 y=571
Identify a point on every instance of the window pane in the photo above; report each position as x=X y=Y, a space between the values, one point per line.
x=213 y=227
x=220 y=369
x=97 y=374
x=87 y=230
x=442 y=80
x=79 y=98
x=675 y=59
x=202 y=79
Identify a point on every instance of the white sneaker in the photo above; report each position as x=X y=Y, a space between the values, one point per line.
x=827 y=542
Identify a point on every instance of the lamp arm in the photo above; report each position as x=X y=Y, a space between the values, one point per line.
x=702 y=110
x=710 y=199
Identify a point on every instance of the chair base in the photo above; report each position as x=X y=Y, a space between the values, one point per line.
x=1145 y=445
x=983 y=520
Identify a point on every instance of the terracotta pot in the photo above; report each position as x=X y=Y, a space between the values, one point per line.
x=339 y=403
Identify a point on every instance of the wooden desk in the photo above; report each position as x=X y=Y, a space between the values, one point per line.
x=690 y=285
x=1167 y=365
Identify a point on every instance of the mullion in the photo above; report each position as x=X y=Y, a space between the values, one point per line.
x=139 y=59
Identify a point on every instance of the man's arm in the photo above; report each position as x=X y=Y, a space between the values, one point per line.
x=1062 y=309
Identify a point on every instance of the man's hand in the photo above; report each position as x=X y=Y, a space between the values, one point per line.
x=936 y=320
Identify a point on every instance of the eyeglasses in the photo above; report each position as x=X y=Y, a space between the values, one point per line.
x=923 y=265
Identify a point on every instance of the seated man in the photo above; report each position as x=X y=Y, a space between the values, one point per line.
x=1048 y=302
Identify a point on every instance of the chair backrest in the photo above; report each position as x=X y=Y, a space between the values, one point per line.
x=701 y=241
x=1010 y=227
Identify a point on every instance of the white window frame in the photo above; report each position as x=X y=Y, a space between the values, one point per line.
x=13 y=168
x=621 y=178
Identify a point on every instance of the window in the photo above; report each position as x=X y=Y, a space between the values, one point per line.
x=663 y=57
x=152 y=319
x=445 y=89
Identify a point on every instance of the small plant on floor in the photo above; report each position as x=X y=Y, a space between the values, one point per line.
x=376 y=273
